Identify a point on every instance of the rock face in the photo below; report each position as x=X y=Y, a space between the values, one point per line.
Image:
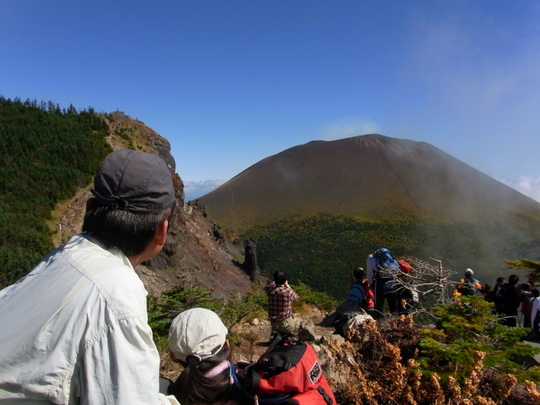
x=250 y=260
x=195 y=255
x=197 y=250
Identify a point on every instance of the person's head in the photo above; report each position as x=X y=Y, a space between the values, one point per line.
x=488 y=287
x=513 y=279
x=359 y=274
x=280 y=277
x=198 y=340
x=469 y=273
x=133 y=196
x=500 y=280
x=535 y=293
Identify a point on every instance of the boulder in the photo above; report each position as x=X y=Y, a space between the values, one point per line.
x=354 y=328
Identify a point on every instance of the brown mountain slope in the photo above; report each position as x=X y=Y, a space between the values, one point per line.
x=364 y=176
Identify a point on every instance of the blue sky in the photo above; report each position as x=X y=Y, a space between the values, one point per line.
x=229 y=83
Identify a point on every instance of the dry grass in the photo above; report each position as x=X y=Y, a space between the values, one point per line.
x=382 y=370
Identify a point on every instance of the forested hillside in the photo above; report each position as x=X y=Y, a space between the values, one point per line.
x=46 y=154
x=323 y=250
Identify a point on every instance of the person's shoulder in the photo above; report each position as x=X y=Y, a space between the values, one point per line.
x=111 y=273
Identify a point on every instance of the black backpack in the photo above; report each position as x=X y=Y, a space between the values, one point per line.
x=469 y=287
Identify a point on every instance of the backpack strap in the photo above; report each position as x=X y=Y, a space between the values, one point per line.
x=234 y=376
x=324 y=394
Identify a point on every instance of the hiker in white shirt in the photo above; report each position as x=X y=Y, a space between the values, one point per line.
x=535 y=316
x=74 y=330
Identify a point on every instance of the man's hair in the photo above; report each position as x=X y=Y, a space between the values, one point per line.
x=513 y=279
x=359 y=274
x=500 y=279
x=280 y=277
x=129 y=232
x=192 y=387
x=535 y=293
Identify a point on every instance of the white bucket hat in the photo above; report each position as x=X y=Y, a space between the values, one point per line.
x=198 y=332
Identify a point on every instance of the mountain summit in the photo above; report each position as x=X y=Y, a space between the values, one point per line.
x=370 y=176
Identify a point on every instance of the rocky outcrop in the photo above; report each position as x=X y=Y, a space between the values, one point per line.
x=250 y=260
x=197 y=252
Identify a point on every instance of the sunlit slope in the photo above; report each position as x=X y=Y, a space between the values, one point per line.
x=370 y=176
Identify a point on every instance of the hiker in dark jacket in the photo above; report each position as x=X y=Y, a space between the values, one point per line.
x=511 y=301
x=497 y=297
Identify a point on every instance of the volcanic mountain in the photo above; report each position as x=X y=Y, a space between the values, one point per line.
x=324 y=206
x=364 y=176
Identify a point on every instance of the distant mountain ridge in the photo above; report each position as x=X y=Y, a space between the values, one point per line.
x=365 y=176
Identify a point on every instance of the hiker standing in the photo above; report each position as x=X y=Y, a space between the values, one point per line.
x=74 y=330
x=511 y=301
x=381 y=270
x=524 y=294
x=469 y=285
x=497 y=296
x=535 y=314
x=280 y=299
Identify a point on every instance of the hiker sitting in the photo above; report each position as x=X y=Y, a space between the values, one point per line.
x=469 y=285
x=198 y=341
x=356 y=297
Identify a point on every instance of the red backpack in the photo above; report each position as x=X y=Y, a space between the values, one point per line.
x=288 y=373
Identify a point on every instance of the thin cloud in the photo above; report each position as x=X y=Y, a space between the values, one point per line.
x=487 y=78
x=526 y=185
x=194 y=187
x=348 y=128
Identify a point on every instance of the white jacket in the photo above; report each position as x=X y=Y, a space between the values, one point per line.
x=535 y=309
x=75 y=331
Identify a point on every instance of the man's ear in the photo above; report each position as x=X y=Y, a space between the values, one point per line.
x=89 y=203
x=161 y=233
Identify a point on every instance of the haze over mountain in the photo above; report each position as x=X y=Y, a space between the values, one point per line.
x=364 y=176
x=324 y=206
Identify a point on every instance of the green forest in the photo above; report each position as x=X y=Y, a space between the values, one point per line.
x=311 y=249
x=46 y=155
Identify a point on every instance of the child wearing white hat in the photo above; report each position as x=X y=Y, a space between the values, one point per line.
x=198 y=340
